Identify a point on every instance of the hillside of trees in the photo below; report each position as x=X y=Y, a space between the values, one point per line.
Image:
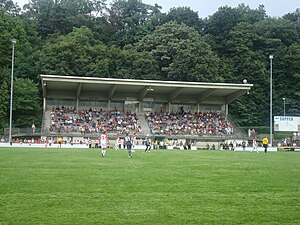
x=131 y=39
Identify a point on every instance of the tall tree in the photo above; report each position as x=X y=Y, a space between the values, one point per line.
x=131 y=64
x=10 y=7
x=62 y=16
x=132 y=20
x=293 y=16
x=219 y=25
x=292 y=79
x=26 y=103
x=4 y=106
x=181 y=53
x=72 y=54
x=12 y=27
x=248 y=48
x=80 y=54
x=184 y=15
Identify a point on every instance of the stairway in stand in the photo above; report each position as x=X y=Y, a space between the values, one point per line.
x=47 y=120
x=144 y=124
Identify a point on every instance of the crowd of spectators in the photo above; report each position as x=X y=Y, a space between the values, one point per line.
x=188 y=123
x=89 y=121
x=84 y=121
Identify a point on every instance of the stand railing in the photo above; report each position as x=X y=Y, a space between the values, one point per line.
x=240 y=133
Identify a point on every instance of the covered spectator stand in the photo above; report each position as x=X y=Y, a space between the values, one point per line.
x=133 y=99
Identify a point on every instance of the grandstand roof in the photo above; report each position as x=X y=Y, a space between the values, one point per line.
x=55 y=86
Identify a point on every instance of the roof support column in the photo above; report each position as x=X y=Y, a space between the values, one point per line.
x=198 y=107
x=169 y=106
x=44 y=104
x=226 y=110
x=44 y=96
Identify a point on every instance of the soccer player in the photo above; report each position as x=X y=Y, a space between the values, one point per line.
x=133 y=141
x=148 y=144
x=117 y=143
x=244 y=145
x=128 y=143
x=265 y=142
x=255 y=145
x=103 y=143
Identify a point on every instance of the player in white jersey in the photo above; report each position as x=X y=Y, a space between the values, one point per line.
x=133 y=141
x=255 y=145
x=103 y=143
x=117 y=143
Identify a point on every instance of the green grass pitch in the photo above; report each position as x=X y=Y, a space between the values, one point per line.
x=77 y=186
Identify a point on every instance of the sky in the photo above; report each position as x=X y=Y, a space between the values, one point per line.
x=274 y=8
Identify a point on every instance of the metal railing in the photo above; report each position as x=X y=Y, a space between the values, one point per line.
x=240 y=132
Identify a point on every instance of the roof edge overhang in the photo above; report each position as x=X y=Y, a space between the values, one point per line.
x=77 y=79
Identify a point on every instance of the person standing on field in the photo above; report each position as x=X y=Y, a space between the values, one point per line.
x=103 y=143
x=234 y=145
x=244 y=145
x=59 y=140
x=255 y=145
x=265 y=142
x=148 y=144
x=128 y=143
x=117 y=143
x=133 y=141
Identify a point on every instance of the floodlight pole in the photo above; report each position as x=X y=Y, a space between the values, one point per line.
x=283 y=106
x=271 y=112
x=14 y=41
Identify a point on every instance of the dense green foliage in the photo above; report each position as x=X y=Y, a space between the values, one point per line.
x=77 y=186
x=131 y=39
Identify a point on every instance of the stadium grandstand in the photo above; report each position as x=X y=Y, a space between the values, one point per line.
x=79 y=108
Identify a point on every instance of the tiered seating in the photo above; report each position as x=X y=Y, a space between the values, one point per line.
x=187 y=123
x=69 y=120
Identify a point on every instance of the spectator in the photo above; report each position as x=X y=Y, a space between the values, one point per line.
x=187 y=123
x=33 y=128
